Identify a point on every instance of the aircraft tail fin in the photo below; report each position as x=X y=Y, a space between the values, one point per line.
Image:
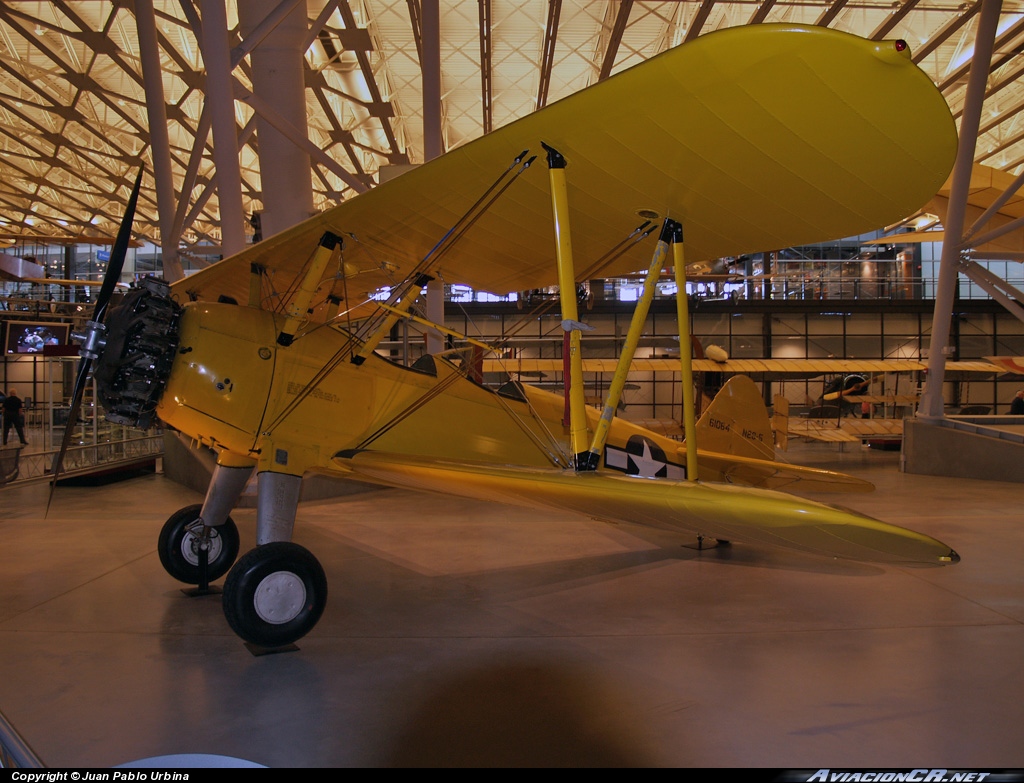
x=737 y=422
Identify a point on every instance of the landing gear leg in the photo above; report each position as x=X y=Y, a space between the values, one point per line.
x=276 y=593
x=193 y=553
x=199 y=543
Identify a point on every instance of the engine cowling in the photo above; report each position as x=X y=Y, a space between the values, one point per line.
x=132 y=371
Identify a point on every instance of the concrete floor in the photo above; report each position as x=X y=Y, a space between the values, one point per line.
x=462 y=633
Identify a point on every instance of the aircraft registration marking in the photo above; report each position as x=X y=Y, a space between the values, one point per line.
x=320 y=394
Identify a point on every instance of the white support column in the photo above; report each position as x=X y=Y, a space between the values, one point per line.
x=220 y=99
x=432 y=144
x=278 y=81
x=268 y=116
x=159 y=142
x=932 y=405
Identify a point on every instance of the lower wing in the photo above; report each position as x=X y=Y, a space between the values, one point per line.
x=721 y=511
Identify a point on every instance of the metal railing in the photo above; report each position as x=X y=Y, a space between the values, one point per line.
x=88 y=457
x=821 y=280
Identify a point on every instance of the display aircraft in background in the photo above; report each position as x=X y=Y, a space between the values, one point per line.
x=888 y=386
x=27 y=271
x=705 y=151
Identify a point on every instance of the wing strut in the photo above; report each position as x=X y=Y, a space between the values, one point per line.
x=636 y=326
x=394 y=313
x=442 y=329
x=298 y=308
x=570 y=311
x=401 y=293
x=685 y=353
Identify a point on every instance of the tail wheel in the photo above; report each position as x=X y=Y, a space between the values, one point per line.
x=182 y=538
x=275 y=594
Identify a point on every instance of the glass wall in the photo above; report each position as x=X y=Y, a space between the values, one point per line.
x=779 y=335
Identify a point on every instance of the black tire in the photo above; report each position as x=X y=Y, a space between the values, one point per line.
x=275 y=594
x=178 y=546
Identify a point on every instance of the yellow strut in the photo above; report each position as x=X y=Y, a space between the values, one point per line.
x=441 y=329
x=255 y=284
x=570 y=313
x=394 y=313
x=636 y=327
x=298 y=308
x=685 y=354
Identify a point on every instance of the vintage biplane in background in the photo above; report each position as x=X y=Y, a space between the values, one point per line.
x=752 y=137
x=888 y=386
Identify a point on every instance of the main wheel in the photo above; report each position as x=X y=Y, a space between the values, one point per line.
x=181 y=539
x=275 y=594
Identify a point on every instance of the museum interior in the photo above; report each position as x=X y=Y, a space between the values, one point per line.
x=319 y=451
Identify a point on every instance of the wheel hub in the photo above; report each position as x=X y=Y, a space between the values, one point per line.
x=192 y=544
x=280 y=597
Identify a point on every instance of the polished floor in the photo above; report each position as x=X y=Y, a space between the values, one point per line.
x=463 y=633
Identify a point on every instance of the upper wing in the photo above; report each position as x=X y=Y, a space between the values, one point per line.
x=847 y=430
x=1010 y=364
x=753 y=137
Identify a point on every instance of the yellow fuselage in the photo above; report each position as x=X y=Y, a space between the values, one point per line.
x=232 y=385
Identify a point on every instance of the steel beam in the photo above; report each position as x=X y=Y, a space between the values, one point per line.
x=486 y=85
x=159 y=139
x=762 y=12
x=829 y=14
x=1005 y=38
x=1007 y=295
x=894 y=19
x=945 y=32
x=615 y=39
x=547 y=61
x=699 y=20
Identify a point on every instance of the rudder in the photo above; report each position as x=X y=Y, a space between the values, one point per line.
x=736 y=422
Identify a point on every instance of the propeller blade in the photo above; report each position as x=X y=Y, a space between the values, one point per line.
x=118 y=253
x=92 y=338
x=69 y=428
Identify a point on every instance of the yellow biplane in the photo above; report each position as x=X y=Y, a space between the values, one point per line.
x=753 y=137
